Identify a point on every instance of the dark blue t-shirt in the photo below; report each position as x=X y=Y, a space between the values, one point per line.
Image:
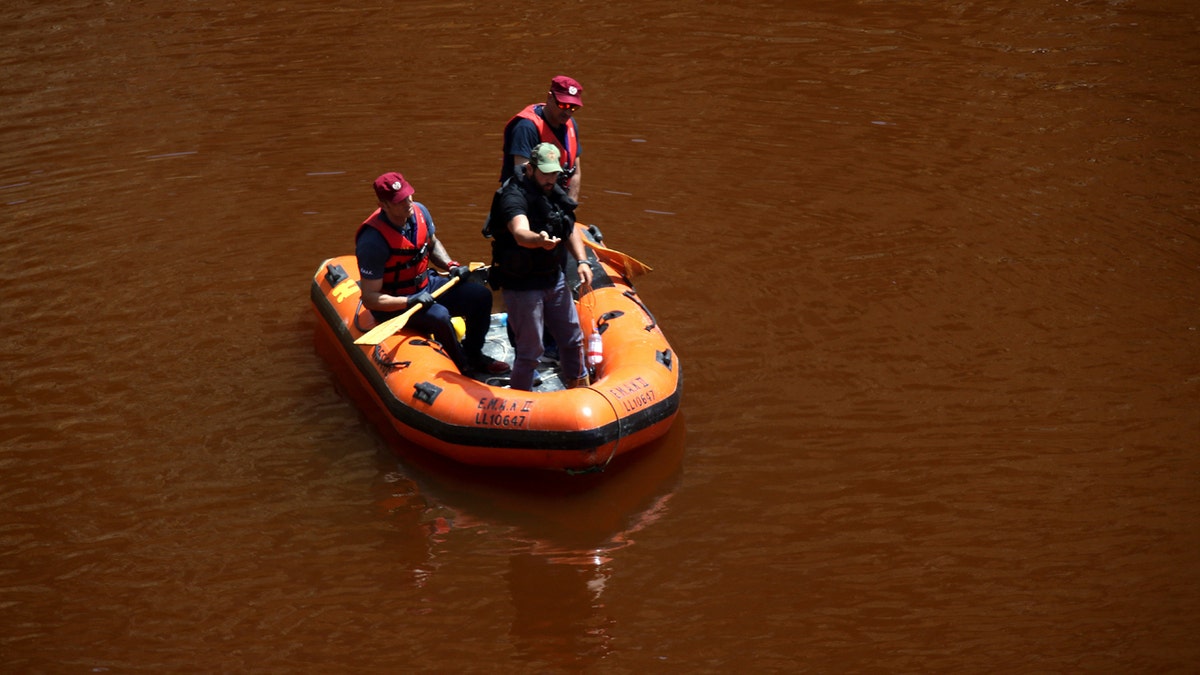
x=372 y=249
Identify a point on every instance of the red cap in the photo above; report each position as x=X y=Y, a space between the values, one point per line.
x=567 y=90
x=392 y=188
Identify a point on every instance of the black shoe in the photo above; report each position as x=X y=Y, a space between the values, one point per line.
x=489 y=366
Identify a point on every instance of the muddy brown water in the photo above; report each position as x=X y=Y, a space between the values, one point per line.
x=931 y=269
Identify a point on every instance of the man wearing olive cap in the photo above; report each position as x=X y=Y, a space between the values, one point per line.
x=533 y=230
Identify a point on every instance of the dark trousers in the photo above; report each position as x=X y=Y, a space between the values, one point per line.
x=471 y=301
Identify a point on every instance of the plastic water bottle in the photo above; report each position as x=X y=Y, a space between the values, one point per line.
x=595 y=350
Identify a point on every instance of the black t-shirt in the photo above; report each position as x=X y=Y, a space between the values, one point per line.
x=518 y=267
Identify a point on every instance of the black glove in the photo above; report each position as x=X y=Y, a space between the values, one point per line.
x=459 y=271
x=423 y=298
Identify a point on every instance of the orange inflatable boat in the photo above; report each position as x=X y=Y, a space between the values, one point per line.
x=409 y=383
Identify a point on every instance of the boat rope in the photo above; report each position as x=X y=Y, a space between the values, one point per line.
x=633 y=296
x=599 y=468
x=378 y=356
x=357 y=313
x=597 y=326
x=434 y=344
x=617 y=440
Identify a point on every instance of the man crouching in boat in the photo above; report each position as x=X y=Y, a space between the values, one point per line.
x=528 y=257
x=395 y=247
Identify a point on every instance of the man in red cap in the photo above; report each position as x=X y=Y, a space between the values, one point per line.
x=396 y=247
x=549 y=122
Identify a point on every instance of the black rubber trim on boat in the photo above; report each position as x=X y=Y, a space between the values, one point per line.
x=566 y=441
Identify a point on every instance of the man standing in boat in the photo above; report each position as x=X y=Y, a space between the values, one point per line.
x=396 y=246
x=533 y=230
x=550 y=122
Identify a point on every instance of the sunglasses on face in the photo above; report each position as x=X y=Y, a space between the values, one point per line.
x=565 y=106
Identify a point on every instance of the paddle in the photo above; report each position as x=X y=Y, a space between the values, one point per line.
x=389 y=328
x=633 y=267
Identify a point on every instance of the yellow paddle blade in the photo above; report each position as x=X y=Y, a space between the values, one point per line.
x=632 y=266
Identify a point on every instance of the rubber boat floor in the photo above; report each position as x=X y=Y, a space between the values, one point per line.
x=498 y=346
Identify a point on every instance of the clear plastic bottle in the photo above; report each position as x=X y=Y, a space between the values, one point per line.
x=595 y=350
